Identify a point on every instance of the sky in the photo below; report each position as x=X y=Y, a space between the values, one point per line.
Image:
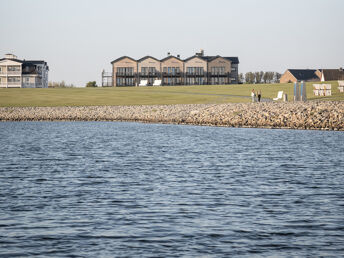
x=80 y=38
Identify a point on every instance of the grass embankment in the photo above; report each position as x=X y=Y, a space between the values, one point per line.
x=166 y=95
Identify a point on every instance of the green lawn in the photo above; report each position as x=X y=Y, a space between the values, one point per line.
x=149 y=95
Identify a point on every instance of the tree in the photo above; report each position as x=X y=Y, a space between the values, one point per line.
x=259 y=76
x=249 y=77
x=241 y=78
x=91 y=84
x=277 y=77
x=266 y=77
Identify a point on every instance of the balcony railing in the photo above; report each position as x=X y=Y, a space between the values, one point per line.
x=196 y=74
x=152 y=75
x=175 y=74
x=13 y=72
x=125 y=74
x=31 y=85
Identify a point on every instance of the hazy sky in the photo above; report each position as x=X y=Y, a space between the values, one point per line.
x=79 y=38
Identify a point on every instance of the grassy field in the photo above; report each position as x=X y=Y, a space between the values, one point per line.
x=150 y=95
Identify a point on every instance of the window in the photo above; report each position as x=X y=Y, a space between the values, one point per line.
x=152 y=70
x=13 y=68
x=14 y=79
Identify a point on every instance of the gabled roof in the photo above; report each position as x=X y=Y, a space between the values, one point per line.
x=303 y=74
x=146 y=57
x=233 y=60
x=16 y=60
x=195 y=56
x=26 y=61
x=332 y=74
x=168 y=57
x=122 y=57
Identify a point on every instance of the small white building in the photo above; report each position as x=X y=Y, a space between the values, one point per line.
x=15 y=73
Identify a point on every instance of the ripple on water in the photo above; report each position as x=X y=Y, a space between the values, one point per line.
x=128 y=189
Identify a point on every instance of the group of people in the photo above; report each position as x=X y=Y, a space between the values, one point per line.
x=253 y=95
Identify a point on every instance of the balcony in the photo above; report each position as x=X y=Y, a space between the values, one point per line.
x=31 y=85
x=16 y=73
x=149 y=75
x=176 y=74
x=218 y=74
x=14 y=83
x=193 y=75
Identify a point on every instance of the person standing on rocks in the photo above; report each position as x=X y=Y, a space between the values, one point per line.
x=259 y=94
x=253 y=95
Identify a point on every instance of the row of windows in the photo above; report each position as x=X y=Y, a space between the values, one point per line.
x=13 y=68
x=125 y=70
x=172 y=81
x=14 y=79
x=148 y=70
x=219 y=80
x=125 y=82
x=218 y=70
x=195 y=81
x=10 y=68
x=171 y=70
x=195 y=70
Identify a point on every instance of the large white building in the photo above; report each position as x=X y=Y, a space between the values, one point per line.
x=15 y=73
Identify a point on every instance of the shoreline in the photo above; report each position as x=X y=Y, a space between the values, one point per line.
x=312 y=115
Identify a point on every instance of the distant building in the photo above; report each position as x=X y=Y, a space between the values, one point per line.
x=330 y=74
x=172 y=70
x=295 y=75
x=15 y=73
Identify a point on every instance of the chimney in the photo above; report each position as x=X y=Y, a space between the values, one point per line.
x=341 y=69
x=201 y=53
x=168 y=53
x=178 y=56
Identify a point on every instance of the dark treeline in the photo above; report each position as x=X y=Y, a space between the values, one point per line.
x=259 y=77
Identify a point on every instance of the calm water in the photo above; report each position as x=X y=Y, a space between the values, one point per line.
x=104 y=189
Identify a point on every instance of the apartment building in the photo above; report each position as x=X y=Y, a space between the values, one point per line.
x=172 y=70
x=15 y=73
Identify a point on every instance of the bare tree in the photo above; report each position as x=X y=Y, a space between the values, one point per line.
x=268 y=77
x=249 y=77
x=277 y=77
x=259 y=76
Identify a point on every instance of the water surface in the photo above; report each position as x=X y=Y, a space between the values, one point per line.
x=105 y=189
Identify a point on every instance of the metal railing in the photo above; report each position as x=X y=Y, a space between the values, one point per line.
x=14 y=72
